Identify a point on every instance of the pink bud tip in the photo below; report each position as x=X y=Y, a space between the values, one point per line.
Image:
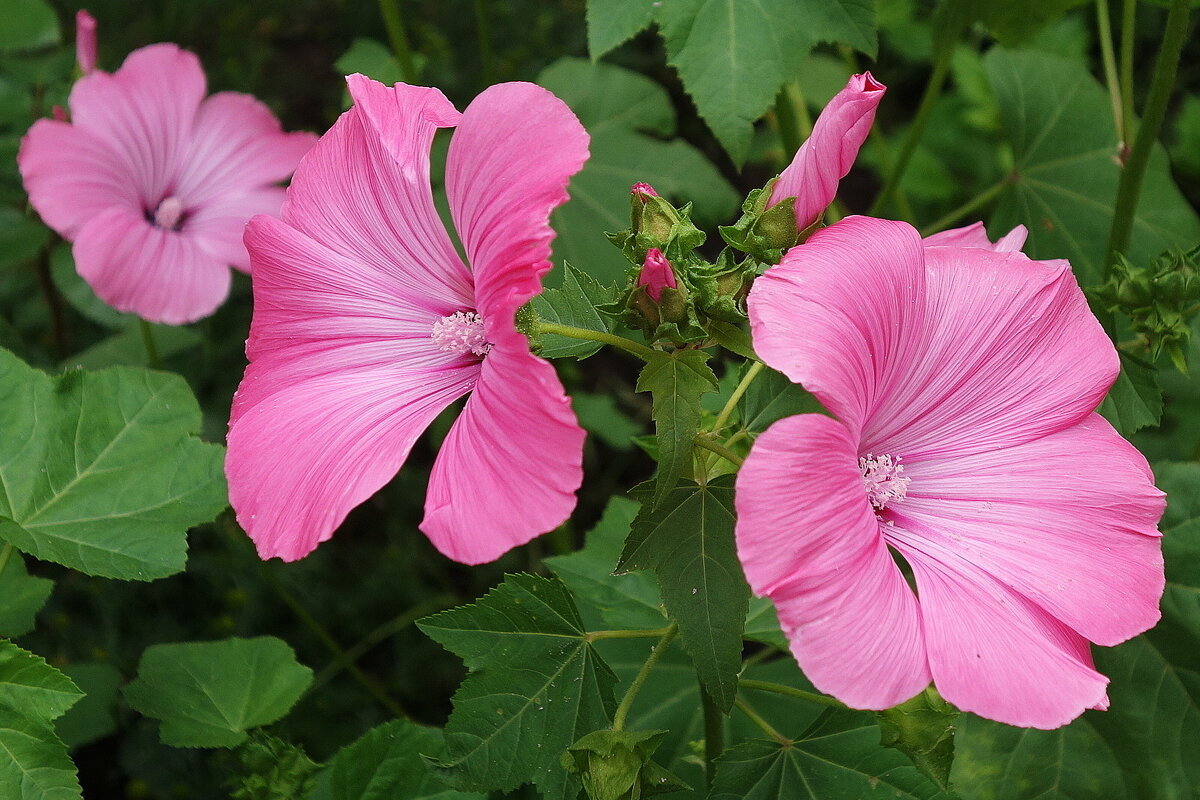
x=643 y=188
x=85 y=41
x=59 y=114
x=656 y=274
x=869 y=84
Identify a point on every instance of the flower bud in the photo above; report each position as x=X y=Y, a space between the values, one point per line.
x=657 y=274
x=650 y=214
x=85 y=41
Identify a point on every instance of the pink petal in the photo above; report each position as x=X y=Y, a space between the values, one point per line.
x=236 y=145
x=144 y=112
x=85 y=41
x=160 y=275
x=1067 y=521
x=351 y=194
x=71 y=176
x=975 y=235
x=825 y=158
x=509 y=468
x=992 y=651
x=218 y=227
x=844 y=313
x=507 y=169
x=1013 y=353
x=808 y=538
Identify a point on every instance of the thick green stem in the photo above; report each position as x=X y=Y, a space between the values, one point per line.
x=975 y=203
x=791 y=115
x=1128 y=17
x=1156 y=108
x=1111 y=79
x=148 y=340
x=779 y=688
x=628 y=345
x=702 y=440
x=393 y=23
x=714 y=735
x=763 y=725
x=595 y=636
x=655 y=654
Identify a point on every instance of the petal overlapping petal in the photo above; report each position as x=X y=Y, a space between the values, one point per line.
x=975 y=235
x=219 y=226
x=808 y=538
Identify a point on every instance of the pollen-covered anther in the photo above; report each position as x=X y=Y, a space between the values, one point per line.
x=884 y=479
x=461 y=332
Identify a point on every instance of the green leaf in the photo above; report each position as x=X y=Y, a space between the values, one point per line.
x=20 y=236
x=106 y=475
x=128 y=348
x=676 y=381
x=1014 y=21
x=632 y=124
x=21 y=597
x=27 y=25
x=371 y=58
x=612 y=22
x=923 y=729
x=575 y=305
x=837 y=757
x=209 y=694
x=762 y=624
x=536 y=685
x=771 y=397
x=734 y=56
x=620 y=601
x=1065 y=175
x=34 y=764
x=386 y=764
x=688 y=542
x=81 y=297
x=28 y=683
x=600 y=416
x=1135 y=401
x=92 y=718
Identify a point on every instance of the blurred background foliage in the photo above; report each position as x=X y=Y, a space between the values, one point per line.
x=348 y=608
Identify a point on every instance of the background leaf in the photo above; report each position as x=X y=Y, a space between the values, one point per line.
x=612 y=22
x=1135 y=401
x=21 y=597
x=574 y=304
x=34 y=764
x=29 y=684
x=27 y=25
x=676 y=381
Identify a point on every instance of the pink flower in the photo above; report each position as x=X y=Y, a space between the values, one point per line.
x=825 y=158
x=367 y=325
x=656 y=274
x=974 y=235
x=153 y=182
x=963 y=382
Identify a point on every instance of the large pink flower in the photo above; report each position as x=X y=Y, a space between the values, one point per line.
x=963 y=382
x=367 y=325
x=827 y=155
x=153 y=182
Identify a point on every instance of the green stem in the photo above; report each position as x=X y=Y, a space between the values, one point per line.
x=628 y=345
x=701 y=440
x=765 y=726
x=978 y=201
x=392 y=22
x=595 y=636
x=779 y=688
x=483 y=28
x=714 y=735
x=738 y=392
x=656 y=653
x=1128 y=17
x=1156 y=108
x=5 y=555
x=148 y=340
x=53 y=300
x=933 y=90
x=1111 y=78
x=791 y=115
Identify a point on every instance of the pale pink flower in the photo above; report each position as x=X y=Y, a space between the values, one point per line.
x=153 y=182
x=825 y=158
x=963 y=382
x=656 y=274
x=367 y=325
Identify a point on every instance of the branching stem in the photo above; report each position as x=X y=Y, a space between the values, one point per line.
x=655 y=654
x=628 y=345
x=779 y=688
x=765 y=726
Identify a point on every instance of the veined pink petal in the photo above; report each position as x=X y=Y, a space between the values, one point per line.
x=144 y=112
x=85 y=41
x=508 y=470
x=236 y=144
x=1013 y=354
x=975 y=235
x=162 y=275
x=71 y=176
x=991 y=650
x=218 y=226
x=1068 y=521
x=844 y=313
x=509 y=163
x=812 y=177
x=808 y=538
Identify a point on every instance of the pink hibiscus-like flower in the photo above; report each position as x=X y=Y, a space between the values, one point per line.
x=963 y=382
x=827 y=155
x=367 y=324
x=153 y=183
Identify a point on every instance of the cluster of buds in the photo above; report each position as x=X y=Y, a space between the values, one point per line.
x=616 y=765
x=766 y=231
x=1159 y=300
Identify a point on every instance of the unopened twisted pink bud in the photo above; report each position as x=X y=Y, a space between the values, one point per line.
x=640 y=188
x=85 y=41
x=656 y=274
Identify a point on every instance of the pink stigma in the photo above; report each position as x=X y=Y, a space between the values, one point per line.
x=461 y=332
x=884 y=479
x=169 y=213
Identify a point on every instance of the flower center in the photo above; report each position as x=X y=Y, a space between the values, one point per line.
x=461 y=332
x=884 y=479
x=169 y=213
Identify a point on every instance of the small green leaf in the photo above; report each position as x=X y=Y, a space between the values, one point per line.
x=371 y=58
x=771 y=397
x=762 y=624
x=613 y=22
x=34 y=764
x=21 y=597
x=209 y=694
x=273 y=769
x=27 y=25
x=600 y=416
x=688 y=542
x=575 y=305
x=923 y=729
x=92 y=718
x=676 y=381
x=1135 y=401
x=28 y=683
x=536 y=685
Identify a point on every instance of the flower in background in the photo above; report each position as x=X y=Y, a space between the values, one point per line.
x=963 y=381
x=367 y=325
x=153 y=182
